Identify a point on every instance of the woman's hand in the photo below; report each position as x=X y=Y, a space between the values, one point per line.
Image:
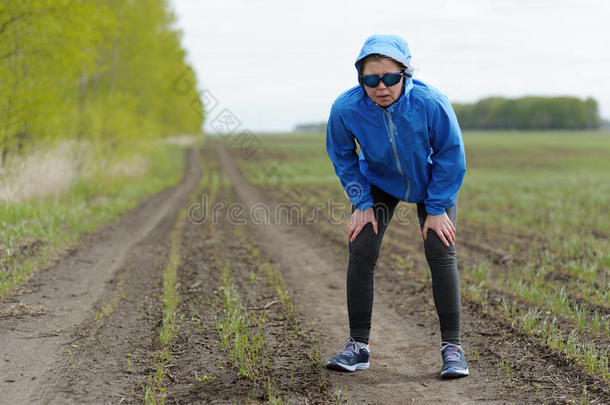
x=358 y=220
x=442 y=225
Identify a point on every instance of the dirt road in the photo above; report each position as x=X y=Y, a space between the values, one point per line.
x=86 y=329
x=65 y=295
x=405 y=357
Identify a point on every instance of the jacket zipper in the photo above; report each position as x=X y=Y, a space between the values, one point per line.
x=393 y=140
x=390 y=129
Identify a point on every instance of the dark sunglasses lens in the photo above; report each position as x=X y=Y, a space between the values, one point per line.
x=391 y=80
x=370 y=81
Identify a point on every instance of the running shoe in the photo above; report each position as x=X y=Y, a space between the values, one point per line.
x=454 y=363
x=354 y=357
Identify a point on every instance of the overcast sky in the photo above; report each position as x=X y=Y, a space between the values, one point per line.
x=275 y=64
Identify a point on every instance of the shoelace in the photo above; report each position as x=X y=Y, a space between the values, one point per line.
x=351 y=348
x=451 y=354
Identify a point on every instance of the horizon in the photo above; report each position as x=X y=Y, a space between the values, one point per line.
x=268 y=54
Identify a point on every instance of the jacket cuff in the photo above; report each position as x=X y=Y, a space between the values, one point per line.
x=365 y=205
x=434 y=210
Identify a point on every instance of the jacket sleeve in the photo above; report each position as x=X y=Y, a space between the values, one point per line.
x=341 y=148
x=448 y=158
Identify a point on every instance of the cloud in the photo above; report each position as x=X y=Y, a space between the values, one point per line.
x=276 y=64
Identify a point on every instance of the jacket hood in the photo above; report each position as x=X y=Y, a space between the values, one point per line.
x=392 y=46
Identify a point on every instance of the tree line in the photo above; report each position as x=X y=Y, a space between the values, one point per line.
x=529 y=113
x=95 y=70
x=520 y=113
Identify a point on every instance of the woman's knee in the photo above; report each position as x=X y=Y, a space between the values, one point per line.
x=436 y=249
x=365 y=248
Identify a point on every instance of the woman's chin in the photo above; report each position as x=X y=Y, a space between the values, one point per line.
x=384 y=101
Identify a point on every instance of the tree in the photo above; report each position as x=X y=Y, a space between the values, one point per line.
x=529 y=113
x=91 y=70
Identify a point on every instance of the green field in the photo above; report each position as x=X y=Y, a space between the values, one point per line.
x=533 y=228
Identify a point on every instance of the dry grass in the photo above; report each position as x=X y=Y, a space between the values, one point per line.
x=42 y=172
x=184 y=140
x=51 y=169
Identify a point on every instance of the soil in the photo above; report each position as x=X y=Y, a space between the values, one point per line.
x=66 y=296
x=405 y=360
x=85 y=330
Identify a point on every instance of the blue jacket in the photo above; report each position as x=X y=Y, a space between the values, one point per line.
x=412 y=149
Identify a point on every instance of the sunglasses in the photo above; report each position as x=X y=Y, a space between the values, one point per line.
x=389 y=79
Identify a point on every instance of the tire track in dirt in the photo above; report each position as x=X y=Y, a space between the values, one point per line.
x=109 y=356
x=285 y=359
x=405 y=357
x=32 y=346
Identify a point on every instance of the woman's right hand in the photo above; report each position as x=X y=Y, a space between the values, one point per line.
x=358 y=220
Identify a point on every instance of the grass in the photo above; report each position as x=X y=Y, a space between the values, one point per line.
x=241 y=332
x=118 y=294
x=545 y=330
x=241 y=323
x=340 y=395
x=538 y=199
x=533 y=290
x=277 y=282
x=155 y=391
x=505 y=366
x=318 y=365
x=36 y=231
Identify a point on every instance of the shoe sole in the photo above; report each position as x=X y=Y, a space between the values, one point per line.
x=453 y=373
x=344 y=367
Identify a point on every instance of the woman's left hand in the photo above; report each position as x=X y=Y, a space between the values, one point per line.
x=442 y=225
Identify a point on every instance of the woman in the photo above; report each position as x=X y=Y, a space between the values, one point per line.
x=411 y=149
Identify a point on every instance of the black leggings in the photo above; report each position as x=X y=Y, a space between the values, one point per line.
x=363 y=254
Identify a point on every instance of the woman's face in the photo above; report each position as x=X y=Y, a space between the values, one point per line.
x=382 y=94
